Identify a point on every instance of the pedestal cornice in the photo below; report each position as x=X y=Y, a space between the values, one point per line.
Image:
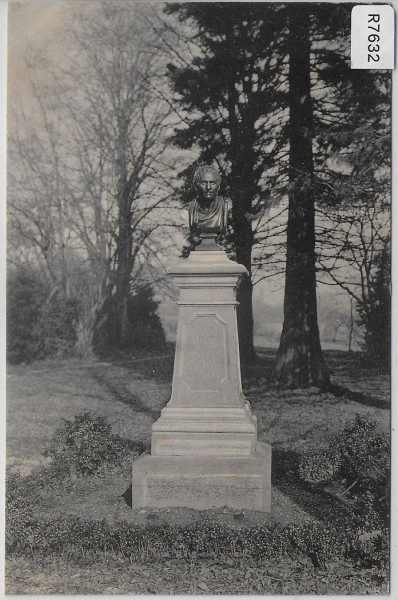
x=207 y=264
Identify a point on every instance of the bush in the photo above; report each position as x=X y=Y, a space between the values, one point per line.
x=86 y=446
x=40 y=323
x=20 y=499
x=365 y=465
x=58 y=326
x=26 y=293
x=359 y=457
x=319 y=466
x=285 y=464
x=78 y=536
x=146 y=331
x=144 y=328
x=370 y=549
x=363 y=451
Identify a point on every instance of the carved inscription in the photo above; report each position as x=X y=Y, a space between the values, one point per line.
x=214 y=490
x=205 y=352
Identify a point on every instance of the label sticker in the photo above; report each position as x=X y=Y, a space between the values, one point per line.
x=372 y=36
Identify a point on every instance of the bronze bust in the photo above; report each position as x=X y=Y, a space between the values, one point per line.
x=208 y=212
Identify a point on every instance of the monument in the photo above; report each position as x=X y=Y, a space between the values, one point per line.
x=204 y=450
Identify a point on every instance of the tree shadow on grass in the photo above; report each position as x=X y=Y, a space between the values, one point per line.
x=261 y=368
x=340 y=391
x=124 y=395
x=153 y=366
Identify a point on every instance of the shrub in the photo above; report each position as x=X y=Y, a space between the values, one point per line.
x=319 y=467
x=359 y=456
x=364 y=453
x=364 y=466
x=144 y=329
x=26 y=293
x=370 y=549
x=58 y=326
x=40 y=322
x=20 y=498
x=78 y=536
x=86 y=445
x=285 y=463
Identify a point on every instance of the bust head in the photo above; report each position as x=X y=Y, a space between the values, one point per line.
x=207 y=183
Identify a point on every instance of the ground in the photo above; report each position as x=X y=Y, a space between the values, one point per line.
x=205 y=576
x=130 y=392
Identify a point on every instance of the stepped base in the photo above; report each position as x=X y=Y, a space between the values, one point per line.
x=204 y=482
x=205 y=431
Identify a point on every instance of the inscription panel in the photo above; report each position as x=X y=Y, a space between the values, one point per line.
x=205 y=353
x=213 y=490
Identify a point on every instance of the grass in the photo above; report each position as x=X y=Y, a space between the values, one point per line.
x=41 y=395
x=206 y=576
x=130 y=392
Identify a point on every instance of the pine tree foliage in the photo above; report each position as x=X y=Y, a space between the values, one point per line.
x=232 y=92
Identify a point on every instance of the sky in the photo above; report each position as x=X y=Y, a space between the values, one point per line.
x=36 y=26
x=35 y=29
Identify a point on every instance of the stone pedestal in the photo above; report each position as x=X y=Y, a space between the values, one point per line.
x=204 y=450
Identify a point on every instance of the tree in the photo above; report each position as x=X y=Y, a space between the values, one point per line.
x=25 y=297
x=144 y=328
x=226 y=90
x=356 y=256
x=376 y=312
x=299 y=359
x=102 y=133
x=128 y=129
x=353 y=231
x=329 y=163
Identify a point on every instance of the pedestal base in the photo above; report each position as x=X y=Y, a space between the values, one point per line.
x=204 y=450
x=204 y=482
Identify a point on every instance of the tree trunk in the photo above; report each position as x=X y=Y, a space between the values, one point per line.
x=299 y=360
x=241 y=191
x=244 y=296
x=123 y=271
x=124 y=239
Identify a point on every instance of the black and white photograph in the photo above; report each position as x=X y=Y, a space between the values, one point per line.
x=198 y=298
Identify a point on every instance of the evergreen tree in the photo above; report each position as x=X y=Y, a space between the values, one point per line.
x=26 y=293
x=143 y=331
x=329 y=164
x=299 y=358
x=41 y=322
x=227 y=91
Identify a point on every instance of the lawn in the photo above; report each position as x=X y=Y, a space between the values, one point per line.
x=130 y=392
